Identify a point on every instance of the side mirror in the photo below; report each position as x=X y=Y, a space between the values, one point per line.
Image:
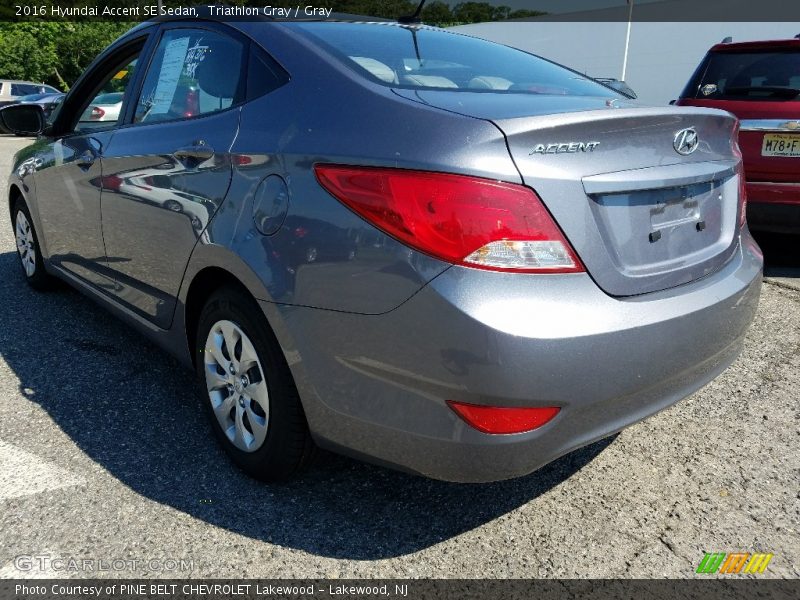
x=22 y=119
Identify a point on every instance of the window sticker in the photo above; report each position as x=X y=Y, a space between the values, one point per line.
x=194 y=56
x=172 y=65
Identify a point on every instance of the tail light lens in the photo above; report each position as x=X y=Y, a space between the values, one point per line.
x=737 y=152
x=462 y=220
x=497 y=419
x=742 y=196
x=97 y=113
x=112 y=182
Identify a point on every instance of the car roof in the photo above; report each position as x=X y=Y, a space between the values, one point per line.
x=757 y=45
x=24 y=81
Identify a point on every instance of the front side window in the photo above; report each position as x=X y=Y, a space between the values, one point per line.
x=193 y=72
x=104 y=111
x=416 y=57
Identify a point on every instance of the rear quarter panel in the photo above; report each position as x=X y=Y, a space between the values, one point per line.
x=328 y=114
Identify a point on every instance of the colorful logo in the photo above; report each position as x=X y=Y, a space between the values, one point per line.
x=734 y=562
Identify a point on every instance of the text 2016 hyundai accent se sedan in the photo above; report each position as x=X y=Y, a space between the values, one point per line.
x=403 y=244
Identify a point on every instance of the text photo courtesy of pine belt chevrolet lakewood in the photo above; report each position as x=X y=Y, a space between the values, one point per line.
x=411 y=246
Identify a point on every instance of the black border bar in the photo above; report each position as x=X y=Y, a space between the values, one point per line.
x=721 y=11
x=711 y=588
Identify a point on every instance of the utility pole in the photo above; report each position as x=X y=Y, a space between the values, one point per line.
x=627 y=40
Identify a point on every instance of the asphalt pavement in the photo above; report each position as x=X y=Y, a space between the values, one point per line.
x=106 y=458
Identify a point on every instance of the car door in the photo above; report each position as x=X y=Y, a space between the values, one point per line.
x=166 y=173
x=69 y=174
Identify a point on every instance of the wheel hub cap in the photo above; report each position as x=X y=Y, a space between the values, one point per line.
x=237 y=388
x=25 y=244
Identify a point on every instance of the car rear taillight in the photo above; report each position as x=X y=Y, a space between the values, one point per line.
x=97 y=113
x=742 y=196
x=112 y=182
x=459 y=219
x=502 y=419
x=737 y=152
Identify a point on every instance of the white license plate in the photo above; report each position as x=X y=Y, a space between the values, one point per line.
x=780 y=144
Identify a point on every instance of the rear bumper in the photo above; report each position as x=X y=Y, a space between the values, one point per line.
x=376 y=386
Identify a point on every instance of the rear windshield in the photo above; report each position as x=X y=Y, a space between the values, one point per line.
x=423 y=58
x=110 y=98
x=768 y=75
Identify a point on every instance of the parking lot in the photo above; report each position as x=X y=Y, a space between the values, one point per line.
x=105 y=455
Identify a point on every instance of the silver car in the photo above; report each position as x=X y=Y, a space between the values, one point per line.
x=407 y=245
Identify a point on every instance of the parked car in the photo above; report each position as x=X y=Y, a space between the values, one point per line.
x=10 y=90
x=49 y=102
x=105 y=107
x=759 y=82
x=317 y=241
x=528 y=261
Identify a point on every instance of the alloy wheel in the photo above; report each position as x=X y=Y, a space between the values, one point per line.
x=26 y=246
x=237 y=388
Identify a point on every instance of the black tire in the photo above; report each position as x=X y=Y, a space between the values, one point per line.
x=40 y=279
x=288 y=446
x=173 y=205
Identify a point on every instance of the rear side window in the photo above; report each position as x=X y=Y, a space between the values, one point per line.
x=765 y=75
x=193 y=72
x=419 y=57
x=263 y=73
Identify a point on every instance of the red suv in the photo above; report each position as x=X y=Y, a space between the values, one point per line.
x=759 y=82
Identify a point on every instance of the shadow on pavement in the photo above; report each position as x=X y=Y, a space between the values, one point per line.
x=781 y=254
x=133 y=409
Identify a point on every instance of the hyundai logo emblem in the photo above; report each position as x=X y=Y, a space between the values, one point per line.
x=685 y=141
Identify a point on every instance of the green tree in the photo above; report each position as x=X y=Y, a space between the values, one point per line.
x=524 y=13
x=81 y=42
x=28 y=51
x=473 y=12
x=52 y=51
x=387 y=9
x=437 y=13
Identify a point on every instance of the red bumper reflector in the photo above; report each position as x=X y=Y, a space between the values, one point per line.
x=497 y=419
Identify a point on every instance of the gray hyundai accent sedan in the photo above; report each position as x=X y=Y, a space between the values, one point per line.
x=406 y=245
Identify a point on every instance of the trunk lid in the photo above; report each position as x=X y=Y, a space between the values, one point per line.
x=640 y=215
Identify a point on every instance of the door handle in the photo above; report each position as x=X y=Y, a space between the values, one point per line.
x=86 y=159
x=194 y=154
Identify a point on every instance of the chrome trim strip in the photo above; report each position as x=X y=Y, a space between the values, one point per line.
x=651 y=178
x=778 y=125
x=778 y=183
